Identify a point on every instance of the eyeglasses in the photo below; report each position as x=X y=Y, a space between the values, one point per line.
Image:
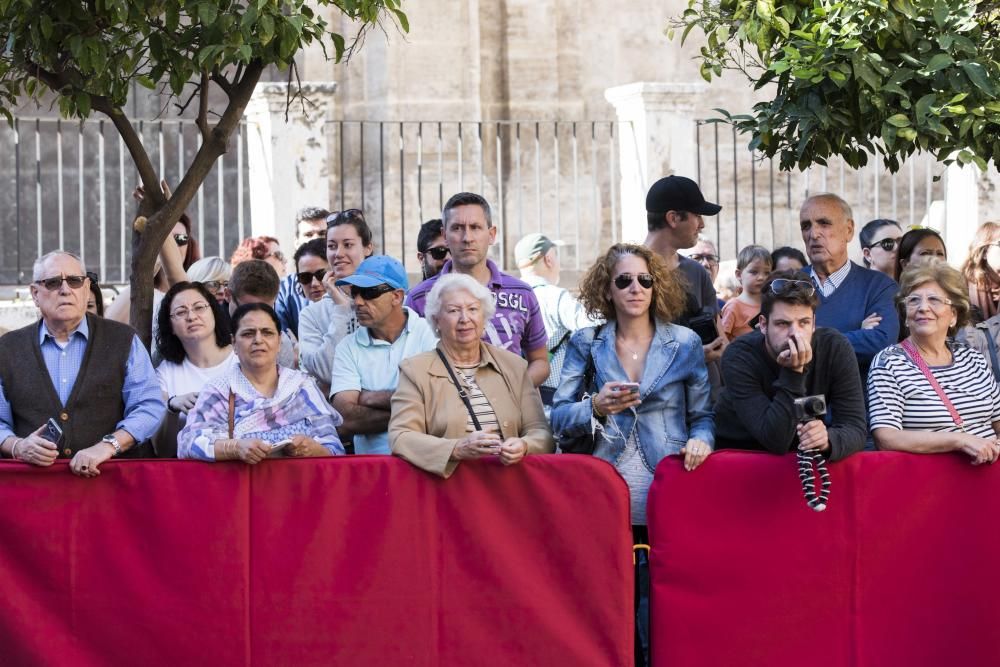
x=214 y=286
x=52 y=284
x=438 y=252
x=346 y=215
x=935 y=302
x=705 y=258
x=278 y=255
x=306 y=277
x=181 y=239
x=625 y=280
x=886 y=244
x=781 y=286
x=370 y=293
x=198 y=310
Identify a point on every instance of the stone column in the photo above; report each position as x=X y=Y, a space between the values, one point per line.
x=656 y=138
x=288 y=160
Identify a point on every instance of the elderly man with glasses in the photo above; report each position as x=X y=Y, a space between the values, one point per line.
x=366 y=365
x=73 y=385
x=768 y=374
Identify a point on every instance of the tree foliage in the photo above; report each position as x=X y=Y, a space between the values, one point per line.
x=90 y=52
x=860 y=78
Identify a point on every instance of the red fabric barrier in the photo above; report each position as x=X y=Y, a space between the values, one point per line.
x=900 y=570
x=355 y=561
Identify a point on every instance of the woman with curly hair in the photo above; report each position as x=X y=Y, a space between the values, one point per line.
x=639 y=378
x=982 y=272
x=637 y=385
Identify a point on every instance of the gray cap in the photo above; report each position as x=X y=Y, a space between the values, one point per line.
x=531 y=247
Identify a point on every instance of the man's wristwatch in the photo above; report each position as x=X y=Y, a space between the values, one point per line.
x=113 y=441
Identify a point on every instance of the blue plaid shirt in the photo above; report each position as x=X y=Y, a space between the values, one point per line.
x=144 y=405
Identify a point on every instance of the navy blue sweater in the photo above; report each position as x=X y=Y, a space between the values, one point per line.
x=862 y=293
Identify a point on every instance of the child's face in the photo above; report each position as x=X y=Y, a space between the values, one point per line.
x=753 y=276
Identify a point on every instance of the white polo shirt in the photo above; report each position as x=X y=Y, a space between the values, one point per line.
x=363 y=363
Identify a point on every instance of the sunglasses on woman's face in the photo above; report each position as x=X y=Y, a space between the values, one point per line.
x=370 y=293
x=438 y=252
x=306 y=277
x=886 y=244
x=781 y=286
x=624 y=280
x=181 y=239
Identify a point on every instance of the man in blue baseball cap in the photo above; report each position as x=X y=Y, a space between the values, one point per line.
x=366 y=363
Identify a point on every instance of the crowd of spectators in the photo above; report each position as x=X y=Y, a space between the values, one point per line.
x=335 y=352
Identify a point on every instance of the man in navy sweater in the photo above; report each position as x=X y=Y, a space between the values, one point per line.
x=848 y=293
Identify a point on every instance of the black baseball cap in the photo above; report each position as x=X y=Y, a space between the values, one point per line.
x=677 y=193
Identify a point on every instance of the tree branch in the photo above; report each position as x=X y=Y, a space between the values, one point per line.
x=222 y=82
x=59 y=81
x=202 y=120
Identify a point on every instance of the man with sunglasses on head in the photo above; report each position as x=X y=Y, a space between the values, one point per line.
x=848 y=293
x=74 y=385
x=517 y=325
x=366 y=363
x=789 y=358
x=310 y=224
x=432 y=250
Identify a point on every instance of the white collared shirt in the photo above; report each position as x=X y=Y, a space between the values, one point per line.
x=833 y=281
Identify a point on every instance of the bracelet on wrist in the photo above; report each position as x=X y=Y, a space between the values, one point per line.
x=13 y=448
x=593 y=407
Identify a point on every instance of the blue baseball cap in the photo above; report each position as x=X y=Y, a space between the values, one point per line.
x=378 y=270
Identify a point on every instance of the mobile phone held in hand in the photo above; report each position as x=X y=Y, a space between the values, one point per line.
x=278 y=445
x=53 y=432
x=628 y=387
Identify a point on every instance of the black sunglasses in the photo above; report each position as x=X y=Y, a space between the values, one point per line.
x=52 y=284
x=370 y=293
x=181 y=239
x=438 y=253
x=781 y=286
x=346 y=215
x=886 y=244
x=306 y=277
x=625 y=280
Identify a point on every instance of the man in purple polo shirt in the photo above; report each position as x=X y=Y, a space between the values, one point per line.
x=517 y=325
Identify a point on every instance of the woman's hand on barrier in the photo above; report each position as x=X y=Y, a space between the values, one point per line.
x=252 y=450
x=303 y=445
x=982 y=450
x=615 y=397
x=183 y=402
x=476 y=445
x=512 y=451
x=695 y=452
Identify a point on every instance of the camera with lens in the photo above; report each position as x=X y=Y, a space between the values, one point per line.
x=808 y=408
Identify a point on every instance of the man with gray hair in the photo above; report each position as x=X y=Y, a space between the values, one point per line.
x=310 y=223
x=848 y=293
x=74 y=385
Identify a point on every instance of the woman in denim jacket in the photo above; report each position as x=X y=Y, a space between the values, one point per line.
x=645 y=394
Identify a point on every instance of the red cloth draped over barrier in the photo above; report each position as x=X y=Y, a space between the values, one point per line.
x=901 y=569
x=354 y=561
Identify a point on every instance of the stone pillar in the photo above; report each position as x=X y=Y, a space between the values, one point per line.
x=288 y=160
x=961 y=210
x=656 y=138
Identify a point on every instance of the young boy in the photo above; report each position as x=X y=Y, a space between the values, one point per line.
x=752 y=268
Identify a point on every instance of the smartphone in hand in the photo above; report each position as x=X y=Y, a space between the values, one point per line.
x=53 y=432
x=628 y=387
x=278 y=445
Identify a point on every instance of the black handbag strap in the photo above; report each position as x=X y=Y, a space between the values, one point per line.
x=461 y=392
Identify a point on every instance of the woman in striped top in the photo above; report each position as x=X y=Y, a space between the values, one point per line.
x=928 y=393
x=466 y=399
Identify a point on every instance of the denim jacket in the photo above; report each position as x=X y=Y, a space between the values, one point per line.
x=674 y=390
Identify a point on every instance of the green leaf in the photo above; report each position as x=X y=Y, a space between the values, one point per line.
x=941 y=12
x=977 y=75
x=939 y=62
x=208 y=12
x=924 y=105
x=898 y=120
x=82 y=104
x=907 y=133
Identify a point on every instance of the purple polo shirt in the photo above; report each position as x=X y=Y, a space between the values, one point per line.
x=517 y=326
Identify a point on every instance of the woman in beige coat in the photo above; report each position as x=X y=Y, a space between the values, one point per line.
x=466 y=399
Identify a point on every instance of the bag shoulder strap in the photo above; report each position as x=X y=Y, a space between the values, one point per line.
x=232 y=413
x=461 y=392
x=914 y=353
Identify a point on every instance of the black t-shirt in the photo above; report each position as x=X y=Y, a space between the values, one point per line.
x=701 y=299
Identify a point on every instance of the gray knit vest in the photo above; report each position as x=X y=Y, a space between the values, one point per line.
x=95 y=404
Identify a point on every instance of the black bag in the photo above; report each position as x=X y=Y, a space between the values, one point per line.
x=582 y=444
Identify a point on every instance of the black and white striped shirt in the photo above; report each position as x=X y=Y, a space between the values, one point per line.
x=900 y=397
